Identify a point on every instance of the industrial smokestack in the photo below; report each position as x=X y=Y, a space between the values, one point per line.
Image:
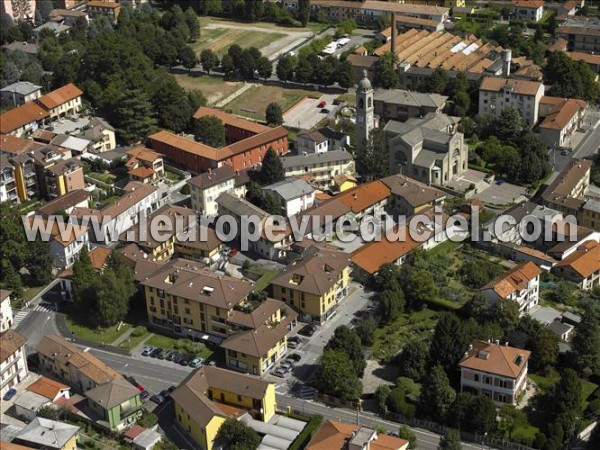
x=506 y=59
x=394 y=34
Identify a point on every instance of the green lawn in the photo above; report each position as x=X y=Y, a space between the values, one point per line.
x=213 y=88
x=29 y=293
x=133 y=341
x=445 y=247
x=262 y=283
x=172 y=176
x=103 y=177
x=390 y=339
x=100 y=335
x=220 y=39
x=587 y=389
x=183 y=345
x=253 y=102
x=544 y=381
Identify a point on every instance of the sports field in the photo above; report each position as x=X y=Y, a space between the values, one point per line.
x=219 y=35
x=254 y=101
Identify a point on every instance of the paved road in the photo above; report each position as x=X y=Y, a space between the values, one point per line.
x=589 y=145
x=425 y=439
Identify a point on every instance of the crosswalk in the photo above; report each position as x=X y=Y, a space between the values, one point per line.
x=20 y=314
x=307 y=392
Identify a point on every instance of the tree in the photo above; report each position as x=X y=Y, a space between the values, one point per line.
x=365 y=329
x=448 y=343
x=412 y=361
x=272 y=169
x=39 y=262
x=391 y=305
x=196 y=99
x=304 y=71
x=253 y=10
x=510 y=418
x=419 y=288
x=227 y=65
x=382 y=393
x=84 y=277
x=172 y=105
x=386 y=75
x=408 y=435
x=211 y=131
x=586 y=343
x=372 y=161
x=534 y=159
x=208 y=59
x=347 y=341
x=303 y=11
x=481 y=417
x=264 y=67
x=44 y=7
x=346 y=76
x=570 y=79
x=387 y=278
x=336 y=376
x=437 y=82
x=209 y=7
x=273 y=114
x=135 y=116
x=187 y=56
x=191 y=19
x=509 y=125
x=450 y=440
x=437 y=395
x=285 y=68
x=236 y=435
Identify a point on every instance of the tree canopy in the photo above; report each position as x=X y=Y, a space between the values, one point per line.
x=236 y=435
x=272 y=169
x=211 y=131
x=336 y=376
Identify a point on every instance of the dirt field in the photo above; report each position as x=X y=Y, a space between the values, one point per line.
x=271 y=40
x=254 y=101
x=213 y=88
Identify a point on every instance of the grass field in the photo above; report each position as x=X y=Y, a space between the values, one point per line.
x=254 y=101
x=220 y=39
x=213 y=88
x=100 y=335
x=182 y=345
x=311 y=27
x=390 y=339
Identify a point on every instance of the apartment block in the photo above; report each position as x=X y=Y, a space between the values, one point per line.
x=497 y=93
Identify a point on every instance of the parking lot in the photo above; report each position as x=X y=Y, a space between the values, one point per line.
x=306 y=114
x=311 y=348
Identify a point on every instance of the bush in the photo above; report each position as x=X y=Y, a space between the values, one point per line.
x=305 y=435
x=397 y=403
x=139 y=331
x=186 y=190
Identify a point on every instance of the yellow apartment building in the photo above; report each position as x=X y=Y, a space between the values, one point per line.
x=315 y=283
x=210 y=395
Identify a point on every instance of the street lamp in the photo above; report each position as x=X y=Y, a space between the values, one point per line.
x=483 y=440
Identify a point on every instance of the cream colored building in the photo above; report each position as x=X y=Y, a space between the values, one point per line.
x=6 y=314
x=13 y=360
x=496 y=93
x=319 y=167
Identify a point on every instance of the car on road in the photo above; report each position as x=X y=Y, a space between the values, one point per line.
x=157 y=398
x=9 y=394
x=500 y=182
x=307 y=330
x=144 y=395
x=154 y=353
x=195 y=362
x=564 y=152
x=147 y=351
x=321 y=104
x=294 y=357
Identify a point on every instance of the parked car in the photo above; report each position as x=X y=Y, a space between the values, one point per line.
x=195 y=362
x=325 y=111
x=212 y=363
x=294 y=357
x=144 y=395
x=279 y=372
x=140 y=387
x=185 y=361
x=157 y=398
x=295 y=339
x=176 y=357
x=161 y=354
x=285 y=366
x=322 y=104
x=171 y=388
x=164 y=393
x=131 y=380
x=154 y=353
x=9 y=394
x=307 y=330
x=233 y=252
x=168 y=354
x=147 y=351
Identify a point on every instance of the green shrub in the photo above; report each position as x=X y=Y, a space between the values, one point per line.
x=139 y=331
x=305 y=435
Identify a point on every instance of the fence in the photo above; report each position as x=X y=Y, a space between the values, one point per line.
x=465 y=436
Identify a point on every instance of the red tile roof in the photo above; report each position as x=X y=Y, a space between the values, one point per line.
x=515 y=279
x=21 y=115
x=230 y=119
x=496 y=359
x=585 y=260
x=60 y=96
